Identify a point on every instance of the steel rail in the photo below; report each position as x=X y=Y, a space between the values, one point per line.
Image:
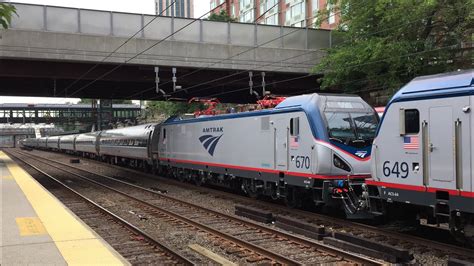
x=460 y=251
x=302 y=241
x=130 y=226
x=262 y=251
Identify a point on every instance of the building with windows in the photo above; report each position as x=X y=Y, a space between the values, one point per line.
x=295 y=13
x=182 y=8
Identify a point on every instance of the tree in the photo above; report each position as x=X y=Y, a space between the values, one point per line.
x=385 y=43
x=222 y=16
x=169 y=108
x=6 y=14
x=85 y=101
x=122 y=101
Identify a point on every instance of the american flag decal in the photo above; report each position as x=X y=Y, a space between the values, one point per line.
x=294 y=142
x=411 y=143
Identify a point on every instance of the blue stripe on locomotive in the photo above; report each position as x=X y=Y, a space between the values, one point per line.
x=446 y=85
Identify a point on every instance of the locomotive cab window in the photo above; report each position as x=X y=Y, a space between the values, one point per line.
x=409 y=121
x=164 y=133
x=295 y=126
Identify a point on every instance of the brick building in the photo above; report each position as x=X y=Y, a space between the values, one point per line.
x=182 y=8
x=296 y=13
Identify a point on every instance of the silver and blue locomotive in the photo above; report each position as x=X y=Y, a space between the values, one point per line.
x=308 y=148
x=422 y=157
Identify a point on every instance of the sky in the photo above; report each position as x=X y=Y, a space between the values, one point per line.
x=138 y=6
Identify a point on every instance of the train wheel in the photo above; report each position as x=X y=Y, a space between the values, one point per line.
x=462 y=228
x=249 y=188
x=199 y=180
x=181 y=175
x=252 y=193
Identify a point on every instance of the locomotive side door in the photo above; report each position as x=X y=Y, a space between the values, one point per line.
x=280 y=141
x=448 y=127
x=440 y=146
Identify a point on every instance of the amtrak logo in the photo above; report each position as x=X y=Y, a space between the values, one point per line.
x=213 y=130
x=361 y=154
x=210 y=142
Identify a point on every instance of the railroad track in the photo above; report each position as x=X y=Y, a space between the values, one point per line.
x=252 y=241
x=132 y=243
x=401 y=240
x=331 y=223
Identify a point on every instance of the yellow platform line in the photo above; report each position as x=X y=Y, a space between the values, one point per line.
x=77 y=244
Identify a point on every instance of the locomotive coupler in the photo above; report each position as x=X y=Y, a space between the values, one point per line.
x=354 y=200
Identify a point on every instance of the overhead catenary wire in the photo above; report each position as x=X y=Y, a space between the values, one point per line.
x=276 y=62
x=116 y=49
x=246 y=78
x=314 y=74
x=138 y=54
x=238 y=54
x=401 y=71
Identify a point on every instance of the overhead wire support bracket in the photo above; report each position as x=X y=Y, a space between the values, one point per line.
x=252 y=92
x=157 y=83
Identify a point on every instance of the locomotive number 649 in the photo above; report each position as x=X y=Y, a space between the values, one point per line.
x=399 y=169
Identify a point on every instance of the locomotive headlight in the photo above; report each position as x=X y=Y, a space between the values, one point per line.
x=339 y=163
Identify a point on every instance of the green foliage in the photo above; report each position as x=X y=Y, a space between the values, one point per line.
x=85 y=101
x=6 y=14
x=122 y=101
x=222 y=16
x=385 y=43
x=172 y=108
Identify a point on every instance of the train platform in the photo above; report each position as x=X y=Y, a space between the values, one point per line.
x=36 y=228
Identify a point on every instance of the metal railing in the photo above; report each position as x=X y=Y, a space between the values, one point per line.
x=118 y=24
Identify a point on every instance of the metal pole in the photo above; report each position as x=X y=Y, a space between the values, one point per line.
x=157 y=79
x=174 y=78
x=251 y=82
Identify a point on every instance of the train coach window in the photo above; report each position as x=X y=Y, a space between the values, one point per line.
x=412 y=121
x=164 y=133
x=295 y=126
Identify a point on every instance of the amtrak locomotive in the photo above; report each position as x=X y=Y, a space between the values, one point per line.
x=308 y=149
x=311 y=147
x=422 y=157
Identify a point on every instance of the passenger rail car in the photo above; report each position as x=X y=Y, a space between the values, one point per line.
x=42 y=143
x=87 y=144
x=422 y=157
x=66 y=143
x=130 y=145
x=309 y=148
x=52 y=143
x=29 y=142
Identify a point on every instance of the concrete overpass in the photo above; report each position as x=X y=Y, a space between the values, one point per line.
x=47 y=48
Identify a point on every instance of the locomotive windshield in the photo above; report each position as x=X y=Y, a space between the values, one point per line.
x=353 y=129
